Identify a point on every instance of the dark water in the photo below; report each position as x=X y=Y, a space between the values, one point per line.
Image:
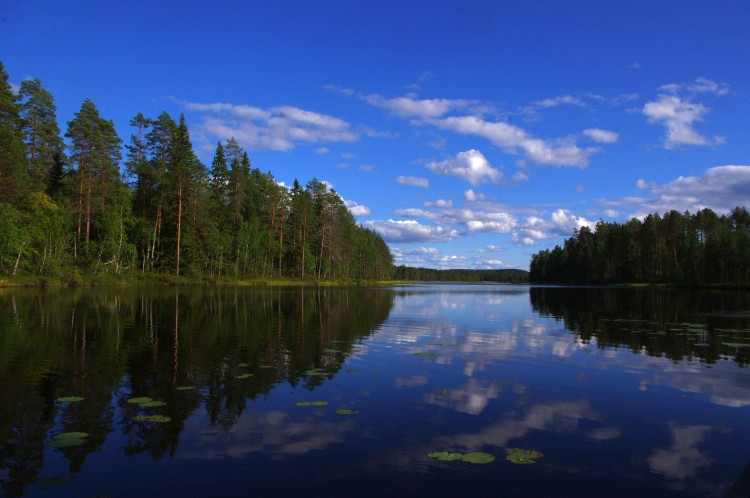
x=625 y=392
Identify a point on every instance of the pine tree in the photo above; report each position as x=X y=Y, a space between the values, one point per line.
x=13 y=164
x=42 y=134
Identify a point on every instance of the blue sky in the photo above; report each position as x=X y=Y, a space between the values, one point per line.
x=470 y=134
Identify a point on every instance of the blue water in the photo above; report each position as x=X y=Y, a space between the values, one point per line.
x=622 y=400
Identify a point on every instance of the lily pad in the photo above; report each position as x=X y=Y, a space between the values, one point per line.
x=186 y=388
x=152 y=404
x=139 y=401
x=522 y=456
x=329 y=350
x=347 y=412
x=352 y=370
x=243 y=365
x=69 y=399
x=445 y=456
x=244 y=376
x=72 y=435
x=312 y=403
x=265 y=366
x=477 y=457
x=152 y=418
x=68 y=439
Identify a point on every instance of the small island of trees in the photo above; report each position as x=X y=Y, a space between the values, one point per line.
x=68 y=214
x=677 y=248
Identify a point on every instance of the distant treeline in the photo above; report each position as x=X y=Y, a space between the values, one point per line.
x=69 y=214
x=432 y=275
x=678 y=248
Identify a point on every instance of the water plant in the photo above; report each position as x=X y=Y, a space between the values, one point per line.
x=312 y=403
x=152 y=418
x=347 y=412
x=476 y=457
x=521 y=456
x=67 y=439
x=445 y=456
x=69 y=399
x=139 y=400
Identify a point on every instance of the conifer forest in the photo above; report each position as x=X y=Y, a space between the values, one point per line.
x=97 y=208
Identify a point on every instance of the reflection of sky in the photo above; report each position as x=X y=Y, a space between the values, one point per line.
x=476 y=371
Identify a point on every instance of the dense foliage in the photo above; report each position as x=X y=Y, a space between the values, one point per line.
x=432 y=275
x=69 y=213
x=690 y=249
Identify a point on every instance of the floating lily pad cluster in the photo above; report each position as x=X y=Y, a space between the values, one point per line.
x=345 y=411
x=477 y=457
x=160 y=419
x=69 y=399
x=427 y=356
x=312 y=403
x=146 y=402
x=522 y=456
x=514 y=455
x=68 y=439
x=186 y=388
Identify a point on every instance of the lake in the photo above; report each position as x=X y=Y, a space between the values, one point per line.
x=422 y=390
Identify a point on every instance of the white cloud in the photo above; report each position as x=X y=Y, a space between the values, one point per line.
x=394 y=231
x=495 y=248
x=357 y=209
x=514 y=140
x=413 y=181
x=322 y=150
x=561 y=223
x=473 y=196
x=470 y=166
x=679 y=114
x=275 y=128
x=439 y=203
x=721 y=189
x=642 y=184
x=601 y=136
x=416 y=251
x=366 y=168
x=560 y=100
x=511 y=138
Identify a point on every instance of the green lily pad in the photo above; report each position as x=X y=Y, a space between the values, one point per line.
x=445 y=456
x=347 y=412
x=522 y=456
x=736 y=344
x=329 y=350
x=139 y=401
x=72 y=435
x=477 y=457
x=265 y=366
x=69 y=399
x=352 y=370
x=152 y=418
x=243 y=365
x=68 y=439
x=186 y=388
x=152 y=404
x=315 y=372
x=244 y=376
x=312 y=403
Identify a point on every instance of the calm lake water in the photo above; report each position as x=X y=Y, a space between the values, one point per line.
x=345 y=392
